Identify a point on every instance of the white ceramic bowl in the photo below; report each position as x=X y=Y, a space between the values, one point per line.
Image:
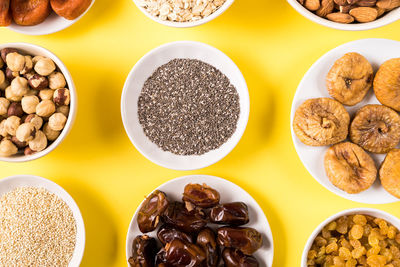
x=36 y=50
x=365 y=211
x=388 y=18
x=52 y=24
x=312 y=85
x=10 y=183
x=214 y=15
x=229 y=192
x=145 y=67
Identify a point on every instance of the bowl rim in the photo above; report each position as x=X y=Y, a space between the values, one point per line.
x=185 y=177
x=380 y=22
x=72 y=106
x=190 y=24
x=239 y=131
x=13 y=27
x=364 y=211
x=77 y=254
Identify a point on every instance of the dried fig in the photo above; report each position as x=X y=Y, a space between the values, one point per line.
x=350 y=78
x=5 y=13
x=321 y=122
x=387 y=84
x=349 y=167
x=390 y=173
x=30 y=12
x=70 y=9
x=376 y=128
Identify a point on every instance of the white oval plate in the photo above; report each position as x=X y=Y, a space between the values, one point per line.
x=312 y=85
x=52 y=24
x=10 y=183
x=229 y=192
x=145 y=67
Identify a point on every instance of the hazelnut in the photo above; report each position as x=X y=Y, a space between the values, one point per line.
x=18 y=143
x=10 y=75
x=45 y=108
x=29 y=104
x=45 y=66
x=28 y=65
x=39 y=142
x=4 y=103
x=11 y=125
x=7 y=148
x=10 y=95
x=2 y=77
x=63 y=109
x=61 y=97
x=38 y=82
x=25 y=132
x=32 y=92
x=36 y=120
x=4 y=85
x=15 y=61
x=57 y=121
x=50 y=133
x=3 y=131
x=6 y=51
x=46 y=94
x=57 y=80
x=35 y=59
x=15 y=109
x=28 y=151
x=19 y=86
x=1 y=63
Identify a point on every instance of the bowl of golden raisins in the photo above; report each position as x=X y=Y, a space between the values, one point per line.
x=355 y=237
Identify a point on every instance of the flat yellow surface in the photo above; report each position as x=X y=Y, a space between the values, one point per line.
x=272 y=45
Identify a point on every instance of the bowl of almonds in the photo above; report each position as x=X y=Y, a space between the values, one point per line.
x=37 y=102
x=350 y=15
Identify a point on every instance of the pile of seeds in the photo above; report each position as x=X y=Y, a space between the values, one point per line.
x=181 y=10
x=188 y=107
x=37 y=228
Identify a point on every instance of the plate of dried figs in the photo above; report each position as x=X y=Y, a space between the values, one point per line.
x=199 y=220
x=346 y=123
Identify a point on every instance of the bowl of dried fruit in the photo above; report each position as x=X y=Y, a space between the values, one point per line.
x=199 y=220
x=41 y=225
x=37 y=102
x=185 y=105
x=40 y=17
x=183 y=14
x=355 y=237
x=350 y=15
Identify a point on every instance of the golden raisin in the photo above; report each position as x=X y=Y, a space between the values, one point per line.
x=344 y=253
x=312 y=254
x=391 y=232
x=337 y=261
x=376 y=261
x=331 y=247
x=356 y=231
x=355 y=243
x=373 y=251
x=360 y=219
x=358 y=252
x=332 y=226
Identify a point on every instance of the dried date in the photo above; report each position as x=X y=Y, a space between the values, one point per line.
x=144 y=250
x=207 y=240
x=167 y=234
x=236 y=213
x=179 y=217
x=201 y=196
x=248 y=240
x=180 y=253
x=236 y=258
x=151 y=210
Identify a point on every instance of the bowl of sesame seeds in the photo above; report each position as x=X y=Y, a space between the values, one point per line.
x=185 y=105
x=183 y=13
x=40 y=225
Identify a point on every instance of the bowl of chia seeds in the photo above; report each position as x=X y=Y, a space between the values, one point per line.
x=185 y=105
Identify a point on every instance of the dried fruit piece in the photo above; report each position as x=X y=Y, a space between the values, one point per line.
x=151 y=210
x=349 y=168
x=390 y=173
x=340 y=17
x=5 y=13
x=30 y=12
x=201 y=195
x=387 y=84
x=364 y=14
x=376 y=128
x=70 y=9
x=350 y=78
x=321 y=122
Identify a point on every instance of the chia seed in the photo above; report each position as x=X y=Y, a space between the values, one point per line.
x=188 y=107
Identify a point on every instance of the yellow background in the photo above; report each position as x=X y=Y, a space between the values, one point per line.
x=272 y=45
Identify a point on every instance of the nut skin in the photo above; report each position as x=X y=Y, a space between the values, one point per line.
x=15 y=109
x=11 y=124
x=57 y=121
x=46 y=94
x=57 y=80
x=36 y=120
x=29 y=104
x=61 y=97
x=38 y=143
x=50 y=134
x=10 y=75
x=45 y=66
x=15 y=61
x=25 y=132
x=7 y=148
x=4 y=104
x=45 y=108
x=5 y=51
x=28 y=65
x=18 y=143
x=38 y=82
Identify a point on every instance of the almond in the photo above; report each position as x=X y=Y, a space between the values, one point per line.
x=312 y=5
x=381 y=11
x=369 y=3
x=364 y=14
x=341 y=2
x=340 y=17
x=346 y=9
x=327 y=7
x=388 y=4
x=352 y=2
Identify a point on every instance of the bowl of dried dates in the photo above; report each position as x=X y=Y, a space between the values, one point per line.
x=40 y=17
x=37 y=102
x=355 y=237
x=346 y=122
x=199 y=220
x=351 y=15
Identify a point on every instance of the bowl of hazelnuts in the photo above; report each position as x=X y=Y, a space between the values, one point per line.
x=37 y=102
